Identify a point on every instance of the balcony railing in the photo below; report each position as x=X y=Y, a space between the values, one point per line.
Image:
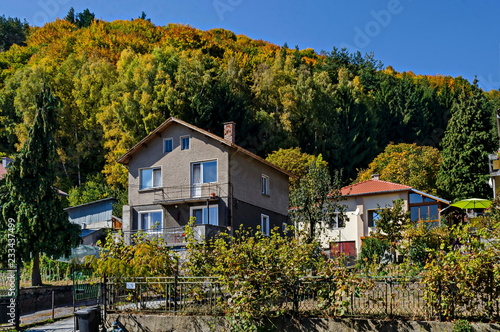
x=176 y=236
x=190 y=192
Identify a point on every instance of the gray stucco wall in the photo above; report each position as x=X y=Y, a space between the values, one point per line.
x=176 y=165
x=236 y=171
x=249 y=215
x=246 y=175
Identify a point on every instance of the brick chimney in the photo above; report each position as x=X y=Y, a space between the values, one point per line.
x=230 y=131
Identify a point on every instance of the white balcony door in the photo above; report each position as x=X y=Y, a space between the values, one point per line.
x=196 y=181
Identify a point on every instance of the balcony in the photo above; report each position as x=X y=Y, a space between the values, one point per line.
x=189 y=194
x=176 y=236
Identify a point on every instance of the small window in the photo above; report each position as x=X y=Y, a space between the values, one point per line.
x=373 y=216
x=151 y=222
x=150 y=178
x=168 y=145
x=265 y=185
x=185 y=142
x=264 y=224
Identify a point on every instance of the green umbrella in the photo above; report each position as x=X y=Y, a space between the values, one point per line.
x=472 y=203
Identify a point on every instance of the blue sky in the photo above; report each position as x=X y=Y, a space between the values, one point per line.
x=452 y=37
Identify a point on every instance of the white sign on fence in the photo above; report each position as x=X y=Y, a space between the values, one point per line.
x=130 y=285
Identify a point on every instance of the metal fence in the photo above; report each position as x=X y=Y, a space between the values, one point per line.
x=380 y=298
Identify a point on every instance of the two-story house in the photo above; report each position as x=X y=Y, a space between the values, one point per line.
x=363 y=201
x=180 y=171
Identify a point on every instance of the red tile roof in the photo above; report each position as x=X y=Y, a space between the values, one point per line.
x=373 y=186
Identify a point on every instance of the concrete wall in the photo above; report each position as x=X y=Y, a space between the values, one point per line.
x=176 y=165
x=236 y=171
x=153 y=323
x=250 y=216
x=356 y=226
x=246 y=176
x=40 y=298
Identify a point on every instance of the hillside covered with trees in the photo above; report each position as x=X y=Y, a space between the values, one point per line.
x=118 y=80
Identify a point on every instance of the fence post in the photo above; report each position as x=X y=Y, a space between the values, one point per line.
x=53 y=305
x=18 y=305
x=295 y=297
x=175 y=293
x=439 y=301
x=386 y=299
x=104 y=296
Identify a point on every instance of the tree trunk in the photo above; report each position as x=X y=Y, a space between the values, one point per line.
x=36 y=278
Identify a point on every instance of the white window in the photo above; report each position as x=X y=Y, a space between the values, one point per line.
x=265 y=184
x=264 y=224
x=168 y=145
x=151 y=221
x=206 y=216
x=185 y=142
x=150 y=178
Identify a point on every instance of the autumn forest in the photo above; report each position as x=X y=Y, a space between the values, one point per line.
x=116 y=81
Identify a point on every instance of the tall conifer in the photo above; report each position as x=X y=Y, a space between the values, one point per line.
x=465 y=147
x=28 y=195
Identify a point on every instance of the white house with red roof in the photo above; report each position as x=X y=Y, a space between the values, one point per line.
x=364 y=199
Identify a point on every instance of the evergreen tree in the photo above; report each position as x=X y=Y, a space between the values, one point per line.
x=465 y=147
x=84 y=19
x=70 y=17
x=28 y=196
x=12 y=31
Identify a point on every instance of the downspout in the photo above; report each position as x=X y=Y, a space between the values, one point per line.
x=230 y=194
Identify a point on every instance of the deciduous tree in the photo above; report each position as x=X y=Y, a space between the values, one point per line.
x=316 y=199
x=408 y=164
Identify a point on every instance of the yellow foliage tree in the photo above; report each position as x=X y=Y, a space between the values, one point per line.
x=408 y=164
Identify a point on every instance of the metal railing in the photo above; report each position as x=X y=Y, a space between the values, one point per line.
x=190 y=192
x=384 y=298
x=176 y=236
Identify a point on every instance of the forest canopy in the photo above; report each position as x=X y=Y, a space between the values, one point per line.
x=118 y=80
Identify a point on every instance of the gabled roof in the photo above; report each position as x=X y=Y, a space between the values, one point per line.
x=373 y=186
x=125 y=159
